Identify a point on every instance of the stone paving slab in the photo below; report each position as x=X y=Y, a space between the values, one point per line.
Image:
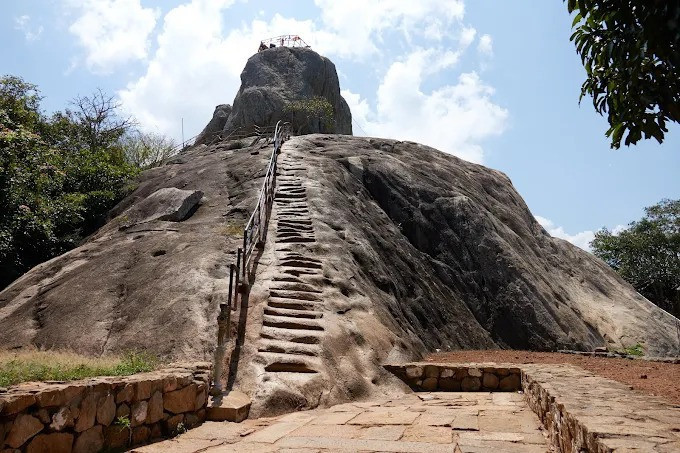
x=423 y=422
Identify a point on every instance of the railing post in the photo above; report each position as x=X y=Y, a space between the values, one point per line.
x=245 y=253
x=223 y=321
x=238 y=272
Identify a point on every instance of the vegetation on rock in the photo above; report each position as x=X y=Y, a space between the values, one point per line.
x=316 y=109
x=631 y=53
x=647 y=254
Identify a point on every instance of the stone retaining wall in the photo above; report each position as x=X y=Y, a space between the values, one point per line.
x=103 y=413
x=450 y=378
x=580 y=411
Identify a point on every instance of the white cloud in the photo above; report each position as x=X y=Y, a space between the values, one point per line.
x=23 y=24
x=112 y=32
x=581 y=239
x=194 y=68
x=452 y=118
x=359 y=25
x=485 y=46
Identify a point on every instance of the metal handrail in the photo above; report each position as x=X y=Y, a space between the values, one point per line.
x=254 y=235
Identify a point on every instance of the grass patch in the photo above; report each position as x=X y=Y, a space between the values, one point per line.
x=636 y=350
x=232 y=229
x=16 y=367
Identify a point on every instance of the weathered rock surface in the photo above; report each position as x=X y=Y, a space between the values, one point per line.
x=155 y=285
x=169 y=203
x=215 y=125
x=275 y=77
x=418 y=250
x=379 y=250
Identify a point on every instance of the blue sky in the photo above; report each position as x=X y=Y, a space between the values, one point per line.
x=492 y=81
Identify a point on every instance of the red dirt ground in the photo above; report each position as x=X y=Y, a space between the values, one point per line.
x=662 y=379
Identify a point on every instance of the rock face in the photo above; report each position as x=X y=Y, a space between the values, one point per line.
x=215 y=126
x=275 y=77
x=142 y=282
x=380 y=250
x=377 y=251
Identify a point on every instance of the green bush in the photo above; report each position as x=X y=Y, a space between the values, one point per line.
x=57 y=179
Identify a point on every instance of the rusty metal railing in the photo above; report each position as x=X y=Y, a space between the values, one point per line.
x=254 y=235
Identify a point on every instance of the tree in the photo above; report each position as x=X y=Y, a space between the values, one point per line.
x=631 y=52
x=147 y=149
x=55 y=187
x=101 y=124
x=315 y=114
x=647 y=254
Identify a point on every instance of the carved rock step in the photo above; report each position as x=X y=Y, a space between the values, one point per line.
x=294 y=336
x=294 y=188
x=296 y=237
x=297 y=240
x=297 y=229
x=287 y=279
x=294 y=233
x=284 y=181
x=294 y=295
x=296 y=221
x=291 y=223
x=290 y=323
x=300 y=263
x=289 y=194
x=289 y=313
x=296 y=210
x=288 y=347
x=294 y=214
x=291 y=202
x=287 y=366
x=297 y=286
x=293 y=304
x=299 y=272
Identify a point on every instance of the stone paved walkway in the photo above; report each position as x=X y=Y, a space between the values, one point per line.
x=422 y=422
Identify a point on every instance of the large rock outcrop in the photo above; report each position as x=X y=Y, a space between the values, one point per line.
x=274 y=78
x=215 y=125
x=417 y=250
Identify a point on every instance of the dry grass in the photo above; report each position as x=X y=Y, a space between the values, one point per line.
x=232 y=229
x=24 y=366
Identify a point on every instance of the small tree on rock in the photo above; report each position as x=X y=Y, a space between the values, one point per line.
x=310 y=114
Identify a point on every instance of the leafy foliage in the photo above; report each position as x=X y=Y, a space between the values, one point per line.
x=146 y=149
x=631 y=52
x=58 y=176
x=647 y=254
x=306 y=111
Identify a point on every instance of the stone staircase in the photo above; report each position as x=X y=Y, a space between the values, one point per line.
x=292 y=323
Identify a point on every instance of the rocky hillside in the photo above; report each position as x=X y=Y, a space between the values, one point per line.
x=377 y=250
x=380 y=250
